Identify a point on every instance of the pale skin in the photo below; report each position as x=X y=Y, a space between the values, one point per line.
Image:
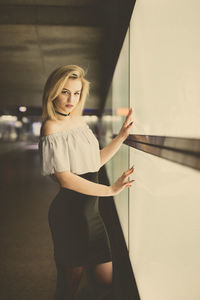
x=71 y=95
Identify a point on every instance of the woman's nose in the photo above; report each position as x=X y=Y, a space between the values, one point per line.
x=70 y=99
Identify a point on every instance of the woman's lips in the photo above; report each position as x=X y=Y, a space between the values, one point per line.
x=69 y=105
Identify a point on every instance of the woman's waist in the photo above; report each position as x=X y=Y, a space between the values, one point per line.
x=91 y=176
x=68 y=195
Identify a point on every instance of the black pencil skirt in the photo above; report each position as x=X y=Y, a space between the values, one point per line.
x=78 y=232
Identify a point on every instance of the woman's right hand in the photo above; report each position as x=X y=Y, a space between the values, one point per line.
x=121 y=182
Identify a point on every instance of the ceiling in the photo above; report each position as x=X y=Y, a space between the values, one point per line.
x=38 y=36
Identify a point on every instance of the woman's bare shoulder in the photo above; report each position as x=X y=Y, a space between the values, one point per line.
x=48 y=127
x=52 y=126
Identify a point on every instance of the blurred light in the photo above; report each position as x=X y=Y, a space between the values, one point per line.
x=18 y=124
x=22 y=108
x=12 y=134
x=8 y=118
x=108 y=118
x=122 y=111
x=31 y=147
x=36 y=128
x=91 y=118
x=25 y=119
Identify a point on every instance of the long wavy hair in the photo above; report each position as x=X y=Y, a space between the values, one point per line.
x=54 y=86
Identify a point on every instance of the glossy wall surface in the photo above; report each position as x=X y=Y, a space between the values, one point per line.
x=164 y=223
x=118 y=99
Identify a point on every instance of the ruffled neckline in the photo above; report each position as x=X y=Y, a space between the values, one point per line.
x=66 y=132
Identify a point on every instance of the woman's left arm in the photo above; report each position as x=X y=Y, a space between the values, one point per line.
x=109 y=150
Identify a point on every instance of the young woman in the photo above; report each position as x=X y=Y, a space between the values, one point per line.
x=70 y=154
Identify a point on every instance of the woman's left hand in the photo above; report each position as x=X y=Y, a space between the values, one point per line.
x=124 y=131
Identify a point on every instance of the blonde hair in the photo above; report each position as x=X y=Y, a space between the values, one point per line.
x=54 y=86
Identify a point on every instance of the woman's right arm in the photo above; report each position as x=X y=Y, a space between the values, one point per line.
x=76 y=183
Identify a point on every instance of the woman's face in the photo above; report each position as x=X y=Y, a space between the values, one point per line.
x=67 y=100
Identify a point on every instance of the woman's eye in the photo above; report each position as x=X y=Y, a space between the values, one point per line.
x=66 y=92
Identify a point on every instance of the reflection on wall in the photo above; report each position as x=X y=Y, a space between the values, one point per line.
x=118 y=103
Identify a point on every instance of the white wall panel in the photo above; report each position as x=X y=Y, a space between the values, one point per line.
x=165 y=67
x=165 y=228
x=164 y=200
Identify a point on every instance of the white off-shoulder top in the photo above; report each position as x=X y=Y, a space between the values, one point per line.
x=75 y=149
